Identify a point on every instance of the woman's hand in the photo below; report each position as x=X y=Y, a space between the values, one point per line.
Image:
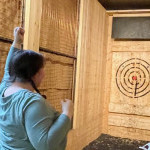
x=67 y=108
x=18 y=37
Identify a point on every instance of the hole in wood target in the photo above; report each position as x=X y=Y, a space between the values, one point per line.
x=133 y=78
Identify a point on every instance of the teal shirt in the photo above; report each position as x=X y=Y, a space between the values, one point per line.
x=27 y=122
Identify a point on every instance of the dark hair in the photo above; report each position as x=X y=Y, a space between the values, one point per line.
x=23 y=65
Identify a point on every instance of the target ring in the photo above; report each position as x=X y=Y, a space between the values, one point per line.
x=133 y=78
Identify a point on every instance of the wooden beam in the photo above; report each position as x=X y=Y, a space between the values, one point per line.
x=33 y=12
x=141 y=11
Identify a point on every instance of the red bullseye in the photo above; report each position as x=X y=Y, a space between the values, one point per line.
x=134 y=77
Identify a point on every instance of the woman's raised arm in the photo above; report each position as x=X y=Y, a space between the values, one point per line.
x=18 y=40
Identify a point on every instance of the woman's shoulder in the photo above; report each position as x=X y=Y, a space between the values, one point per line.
x=29 y=97
x=3 y=86
x=32 y=95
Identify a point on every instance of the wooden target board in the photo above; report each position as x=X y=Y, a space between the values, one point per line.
x=130 y=83
x=133 y=78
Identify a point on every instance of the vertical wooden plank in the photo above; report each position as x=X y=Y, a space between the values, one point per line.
x=107 y=79
x=78 y=65
x=33 y=12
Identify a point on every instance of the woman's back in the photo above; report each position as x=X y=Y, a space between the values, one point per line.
x=12 y=128
x=19 y=132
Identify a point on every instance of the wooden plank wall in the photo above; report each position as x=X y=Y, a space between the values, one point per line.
x=10 y=17
x=91 y=61
x=123 y=116
x=58 y=81
x=59 y=25
x=59 y=34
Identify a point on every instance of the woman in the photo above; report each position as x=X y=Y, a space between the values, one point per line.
x=26 y=121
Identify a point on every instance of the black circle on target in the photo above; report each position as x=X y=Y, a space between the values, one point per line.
x=133 y=78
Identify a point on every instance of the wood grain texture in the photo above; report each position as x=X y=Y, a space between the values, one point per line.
x=58 y=80
x=59 y=20
x=59 y=33
x=131 y=46
x=33 y=12
x=10 y=17
x=129 y=121
x=131 y=133
x=107 y=78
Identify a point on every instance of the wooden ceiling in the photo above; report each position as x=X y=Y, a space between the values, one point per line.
x=125 y=4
